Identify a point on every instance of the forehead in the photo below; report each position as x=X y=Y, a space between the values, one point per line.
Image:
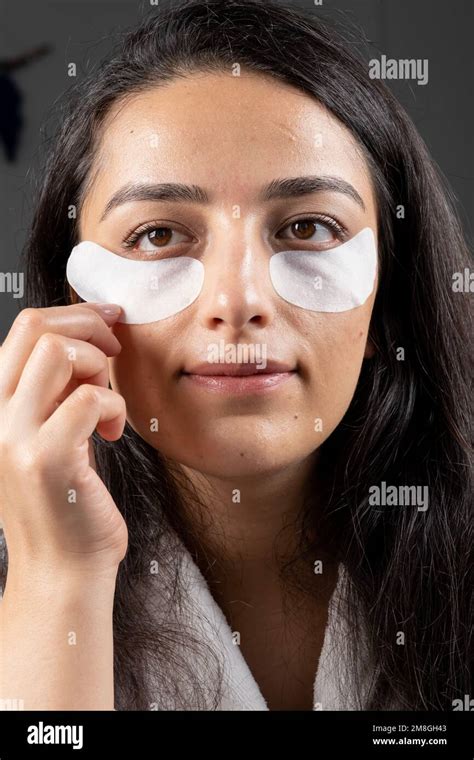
x=231 y=133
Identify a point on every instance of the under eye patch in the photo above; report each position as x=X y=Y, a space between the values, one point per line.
x=147 y=291
x=333 y=280
x=337 y=279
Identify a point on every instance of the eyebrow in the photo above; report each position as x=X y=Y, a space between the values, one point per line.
x=291 y=187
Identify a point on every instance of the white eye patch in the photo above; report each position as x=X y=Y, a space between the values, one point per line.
x=337 y=279
x=333 y=280
x=147 y=291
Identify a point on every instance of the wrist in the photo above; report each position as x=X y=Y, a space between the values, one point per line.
x=31 y=581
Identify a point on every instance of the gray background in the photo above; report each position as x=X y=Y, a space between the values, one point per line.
x=80 y=31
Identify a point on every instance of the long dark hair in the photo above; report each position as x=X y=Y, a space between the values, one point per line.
x=408 y=423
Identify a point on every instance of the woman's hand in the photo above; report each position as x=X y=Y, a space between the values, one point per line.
x=56 y=512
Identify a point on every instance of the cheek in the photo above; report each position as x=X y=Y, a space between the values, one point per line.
x=337 y=352
x=348 y=342
x=337 y=338
x=140 y=373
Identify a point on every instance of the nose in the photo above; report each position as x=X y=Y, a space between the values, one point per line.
x=237 y=289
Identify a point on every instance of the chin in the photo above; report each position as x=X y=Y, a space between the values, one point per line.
x=229 y=461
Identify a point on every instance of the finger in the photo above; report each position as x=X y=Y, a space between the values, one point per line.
x=53 y=363
x=73 y=423
x=81 y=321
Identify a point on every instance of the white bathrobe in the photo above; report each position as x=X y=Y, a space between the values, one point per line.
x=333 y=681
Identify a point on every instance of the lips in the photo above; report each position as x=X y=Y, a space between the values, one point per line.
x=238 y=379
x=239 y=370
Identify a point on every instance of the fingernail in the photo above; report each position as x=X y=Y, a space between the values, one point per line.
x=111 y=309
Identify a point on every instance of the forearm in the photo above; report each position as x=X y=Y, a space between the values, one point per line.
x=56 y=642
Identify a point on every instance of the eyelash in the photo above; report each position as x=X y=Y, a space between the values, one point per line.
x=132 y=238
x=135 y=235
x=333 y=224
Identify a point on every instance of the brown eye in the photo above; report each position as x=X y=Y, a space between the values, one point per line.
x=155 y=238
x=311 y=230
x=160 y=236
x=303 y=230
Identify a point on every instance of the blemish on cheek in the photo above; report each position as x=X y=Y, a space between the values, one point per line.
x=296 y=416
x=242 y=454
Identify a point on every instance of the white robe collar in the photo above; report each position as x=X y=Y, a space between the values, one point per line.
x=333 y=682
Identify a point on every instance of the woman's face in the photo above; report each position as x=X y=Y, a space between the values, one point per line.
x=232 y=136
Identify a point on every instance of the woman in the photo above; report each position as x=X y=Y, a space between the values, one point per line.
x=236 y=538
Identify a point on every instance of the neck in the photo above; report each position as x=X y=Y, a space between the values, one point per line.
x=246 y=524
